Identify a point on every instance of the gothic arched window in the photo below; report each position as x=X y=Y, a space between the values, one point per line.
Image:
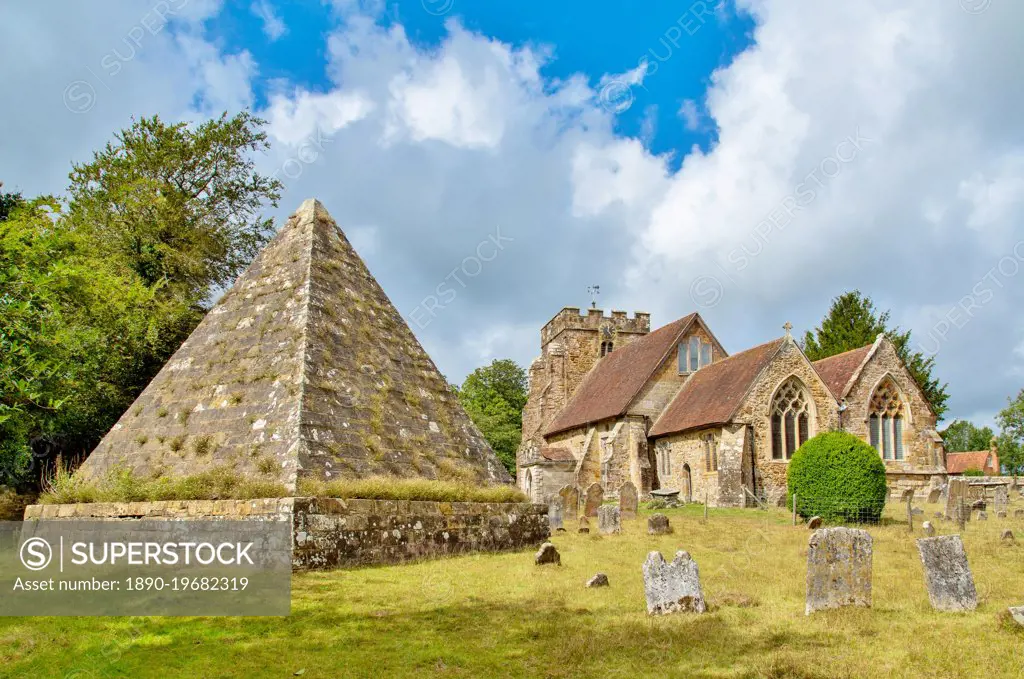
x=791 y=419
x=885 y=421
x=606 y=347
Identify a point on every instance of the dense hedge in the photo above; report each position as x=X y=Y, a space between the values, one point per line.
x=838 y=477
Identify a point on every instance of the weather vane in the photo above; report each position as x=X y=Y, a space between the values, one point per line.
x=594 y=291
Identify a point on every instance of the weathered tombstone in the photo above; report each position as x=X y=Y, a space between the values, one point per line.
x=929 y=529
x=657 y=524
x=672 y=587
x=1001 y=515
x=628 y=500
x=570 y=502
x=555 y=512
x=980 y=505
x=982 y=516
x=599 y=580
x=907 y=494
x=956 y=501
x=609 y=519
x=838 y=569
x=1001 y=501
x=584 y=525
x=916 y=511
x=1007 y=535
x=947 y=574
x=547 y=554
x=934 y=495
x=1017 y=613
x=593 y=499
x=814 y=523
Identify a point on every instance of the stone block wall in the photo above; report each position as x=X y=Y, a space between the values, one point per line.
x=332 y=533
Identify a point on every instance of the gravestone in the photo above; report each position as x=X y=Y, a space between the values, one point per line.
x=593 y=499
x=1001 y=501
x=584 y=525
x=609 y=520
x=982 y=516
x=838 y=569
x=929 y=529
x=555 y=512
x=599 y=580
x=1017 y=614
x=1007 y=535
x=979 y=505
x=814 y=523
x=672 y=587
x=934 y=495
x=657 y=524
x=628 y=500
x=570 y=502
x=947 y=575
x=547 y=554
x=957 y=507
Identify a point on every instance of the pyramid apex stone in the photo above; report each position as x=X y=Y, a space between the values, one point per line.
x=303 y=369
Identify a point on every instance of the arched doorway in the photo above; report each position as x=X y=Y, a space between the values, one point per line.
x=685 y=491
x=528 y=483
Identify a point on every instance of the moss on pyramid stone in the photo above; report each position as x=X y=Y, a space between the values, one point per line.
x=303 y=368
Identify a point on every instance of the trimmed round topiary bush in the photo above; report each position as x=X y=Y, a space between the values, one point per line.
x=838 y=477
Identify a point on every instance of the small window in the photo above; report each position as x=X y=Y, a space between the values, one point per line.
x=897 y=431
x=606 y=347
x=683 y=361
x=777 y=437
x=694 y=353
x=705 y=355
x=886 y=437
x=790 y=434
x=873 y=429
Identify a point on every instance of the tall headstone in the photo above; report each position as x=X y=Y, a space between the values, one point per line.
x=838 y=569
x=570 y=502
x=303 y=369
x=1001 y=501
x=672 y=587
x=593 y=499
x=947 y=575
x=629 y=500
x=608 y=520
x=958 y=507
x=555 y=512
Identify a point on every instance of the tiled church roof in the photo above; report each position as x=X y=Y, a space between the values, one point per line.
x=617 y=378
x=712 y=394
x=958 y=463
x=837 y=370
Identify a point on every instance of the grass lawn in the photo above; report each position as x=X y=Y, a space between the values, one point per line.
x=501 y=616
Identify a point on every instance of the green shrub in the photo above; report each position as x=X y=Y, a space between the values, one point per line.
x=973 y=472
x=393 y=488
x=838 y=477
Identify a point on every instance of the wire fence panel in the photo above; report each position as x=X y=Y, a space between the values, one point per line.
x=840 y=510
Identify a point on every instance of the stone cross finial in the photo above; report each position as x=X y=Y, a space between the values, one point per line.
x=787 y=327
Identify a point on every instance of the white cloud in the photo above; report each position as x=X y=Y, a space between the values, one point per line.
x=294 y=117
x=690 y=114
x=273 y=27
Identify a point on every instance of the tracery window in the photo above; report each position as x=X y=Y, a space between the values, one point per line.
x=885 y=421
x=694 y=355
x=790 y=420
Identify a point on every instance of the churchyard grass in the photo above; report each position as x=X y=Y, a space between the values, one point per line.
x=499 y=615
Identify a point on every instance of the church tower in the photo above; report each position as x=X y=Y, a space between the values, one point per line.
x=571 y=344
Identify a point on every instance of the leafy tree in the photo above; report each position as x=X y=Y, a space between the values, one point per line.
x=962 y=436
x=1011 y=440
x=9 y=201
x=494 y=397
x=852 y=322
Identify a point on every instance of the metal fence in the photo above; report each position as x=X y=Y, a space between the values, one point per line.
x=837 y=510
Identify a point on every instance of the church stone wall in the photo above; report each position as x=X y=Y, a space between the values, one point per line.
x=770 y=475
x=923 y=465
x=687 y=450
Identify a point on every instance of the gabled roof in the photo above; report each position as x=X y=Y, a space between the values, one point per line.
x=837 y=371
x=958 y=463
x=712 y=395
x=611 y=385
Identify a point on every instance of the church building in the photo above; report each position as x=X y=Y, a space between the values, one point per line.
x=611 y=401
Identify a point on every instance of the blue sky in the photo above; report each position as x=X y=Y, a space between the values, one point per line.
x=773 y=155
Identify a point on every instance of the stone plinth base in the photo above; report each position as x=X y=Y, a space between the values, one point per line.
x=334 y=533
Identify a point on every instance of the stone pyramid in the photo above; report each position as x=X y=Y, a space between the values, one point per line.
x=304 y=368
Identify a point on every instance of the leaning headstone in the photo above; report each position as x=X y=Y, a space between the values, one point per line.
x=570 y=502
x=555 y=512
x=947 y=574
x=628 y=500
x=1001 y=501
x=657 y=524
x=929 y=529
x=672 y=587
x=934 y=495
x=1017 y=613
x=599 y=580
x=593 y=499
x=838 y=569
x=584 y=525
x=982 y=516
x=1007 y=535
x=814 y=523
x=957 y=506
x=609 y=519
x=547 y=554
